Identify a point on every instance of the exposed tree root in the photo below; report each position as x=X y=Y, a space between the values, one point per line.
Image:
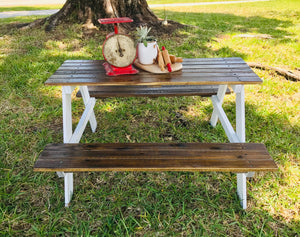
x=36 y=23
x=286 y=73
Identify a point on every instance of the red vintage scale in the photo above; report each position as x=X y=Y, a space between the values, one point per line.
x=118 y=49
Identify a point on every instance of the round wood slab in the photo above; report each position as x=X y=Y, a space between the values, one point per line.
x=154 y=68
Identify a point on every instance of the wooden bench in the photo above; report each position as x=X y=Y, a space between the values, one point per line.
x=195 y=157
x=152 y=91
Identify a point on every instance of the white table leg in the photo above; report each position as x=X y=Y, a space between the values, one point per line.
x=240 y=116
x=234 y=136
x=240 y=112
x=67 y=112
x=67 y=117
x=69 y=136
x=67 y=133
x=241 y=133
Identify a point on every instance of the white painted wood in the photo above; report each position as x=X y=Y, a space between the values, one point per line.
x=67 y=117
x=250 y=174
x=60 y=174
x=67 y=133
x=89 y=109
x=233 y=136
x=220 y=95
x=69 y=136
x=68 y=183
x=224 y=120
x=241 y=134
x=240 y=113
x=67 y=112
x=242 y=189
x=86 y=98
x=240 y=122
x=236 y=88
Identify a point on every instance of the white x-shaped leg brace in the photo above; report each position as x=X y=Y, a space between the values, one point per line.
x=233 y=136
x=74 y=137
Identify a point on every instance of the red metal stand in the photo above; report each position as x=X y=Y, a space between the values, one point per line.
x=115 y=71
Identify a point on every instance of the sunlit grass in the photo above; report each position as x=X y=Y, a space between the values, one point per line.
x=31 y=8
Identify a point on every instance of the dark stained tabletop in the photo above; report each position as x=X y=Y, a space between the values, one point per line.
x=195 y=71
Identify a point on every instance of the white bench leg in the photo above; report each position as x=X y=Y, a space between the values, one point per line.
x=67 y=132
x=241 y=133
x=68 y=181
x=69 y=136
x=242 y=189
x=234 y=136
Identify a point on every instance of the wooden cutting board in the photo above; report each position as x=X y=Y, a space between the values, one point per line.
x=154 y=68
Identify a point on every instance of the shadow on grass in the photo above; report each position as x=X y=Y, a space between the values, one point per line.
x=207 y=27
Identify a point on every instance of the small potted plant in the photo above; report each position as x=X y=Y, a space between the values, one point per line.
x=147 y=46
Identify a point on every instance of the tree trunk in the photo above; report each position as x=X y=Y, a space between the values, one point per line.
x=89 y=11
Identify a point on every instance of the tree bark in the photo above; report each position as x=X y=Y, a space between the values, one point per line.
x=88 y=12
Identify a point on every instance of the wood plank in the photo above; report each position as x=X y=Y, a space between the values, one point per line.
x=146 y=91
x=185 y=67
x=155 y=82
x=211 y=71
x=225 y=157
x=186 y=60
x=204 y=70
x=126 y=146
x=175 y=75
x=185 y=64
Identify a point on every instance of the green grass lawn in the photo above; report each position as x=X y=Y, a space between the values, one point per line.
x=30 y=8
x=152 y=204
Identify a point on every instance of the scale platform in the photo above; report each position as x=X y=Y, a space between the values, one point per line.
x=116 y=71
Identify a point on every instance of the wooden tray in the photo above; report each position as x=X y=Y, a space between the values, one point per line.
x=154 y=68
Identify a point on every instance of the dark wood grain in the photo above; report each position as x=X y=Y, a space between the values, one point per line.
x=225 y=157
x=151 y=91
x=205 y=71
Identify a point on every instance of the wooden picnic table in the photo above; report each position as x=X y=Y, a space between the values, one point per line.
x=199 y=76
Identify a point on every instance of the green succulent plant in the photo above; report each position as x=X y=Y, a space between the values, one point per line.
x=142 y=34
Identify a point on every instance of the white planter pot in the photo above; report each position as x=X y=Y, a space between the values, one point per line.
x=147 y=55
